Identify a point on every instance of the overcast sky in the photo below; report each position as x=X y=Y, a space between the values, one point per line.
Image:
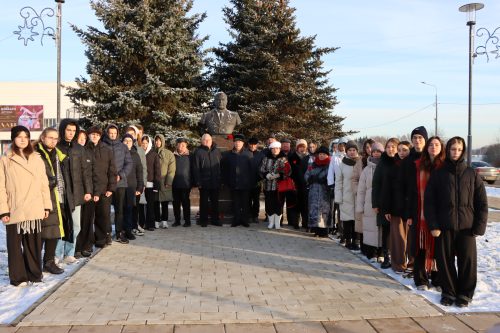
x=386 y=49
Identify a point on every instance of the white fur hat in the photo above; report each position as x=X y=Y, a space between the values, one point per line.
x=275 y=144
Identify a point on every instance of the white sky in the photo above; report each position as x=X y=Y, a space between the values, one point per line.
x=387 y=48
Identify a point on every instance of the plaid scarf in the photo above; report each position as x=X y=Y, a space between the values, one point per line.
x=425 y=241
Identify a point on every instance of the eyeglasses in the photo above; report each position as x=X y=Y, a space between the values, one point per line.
x=51 y=138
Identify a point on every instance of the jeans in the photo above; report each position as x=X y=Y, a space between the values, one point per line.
x=64 y=248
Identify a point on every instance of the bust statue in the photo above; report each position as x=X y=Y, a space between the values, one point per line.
x=219 y=120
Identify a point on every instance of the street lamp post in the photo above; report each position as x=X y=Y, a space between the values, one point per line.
x=470 y=9
x=58 y=42
x=436 y=104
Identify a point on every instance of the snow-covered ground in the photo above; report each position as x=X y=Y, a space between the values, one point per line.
x=15 y=300
x=493 y=191
x=487 y=294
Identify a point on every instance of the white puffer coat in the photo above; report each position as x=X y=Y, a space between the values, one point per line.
x=371 y=233
x=344 y=193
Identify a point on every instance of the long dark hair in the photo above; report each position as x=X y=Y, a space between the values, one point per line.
x=26 y=151
x=426 y=163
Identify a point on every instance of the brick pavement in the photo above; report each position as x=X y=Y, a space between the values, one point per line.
x=223 y=275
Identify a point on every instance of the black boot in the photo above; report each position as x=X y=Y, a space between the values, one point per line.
x=387 y=260
x=51 y=267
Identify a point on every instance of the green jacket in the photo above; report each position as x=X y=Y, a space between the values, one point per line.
x=167 y=162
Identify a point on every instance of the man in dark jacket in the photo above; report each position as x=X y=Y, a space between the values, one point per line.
x=80 y=170
x=407 y=187
x=258 y=156
x=181 y=186
x=135 y=182
x=123 y=163
x=237 y=171
x=299 y=160
x=206 y=176
x=104 y=179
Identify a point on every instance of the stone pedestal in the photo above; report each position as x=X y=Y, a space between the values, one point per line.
x=225 y=202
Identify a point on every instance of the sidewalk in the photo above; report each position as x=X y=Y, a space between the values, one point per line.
x=219 y=275
x=458 y=324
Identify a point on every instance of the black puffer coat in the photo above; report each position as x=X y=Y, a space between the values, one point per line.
x=455 y=199
x=104 y=172
x=299 y=167
x=80 y=168
x=206 y=167
x=123 y=161
x=385 y=186
x=237 y=169
x=182 y=178
x=407 y=187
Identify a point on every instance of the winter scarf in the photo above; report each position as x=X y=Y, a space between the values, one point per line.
x=321 y=163
x=349 y=161
x=425 y=241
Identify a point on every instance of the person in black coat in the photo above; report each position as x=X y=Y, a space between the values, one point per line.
x=456 y=210
x=407 y=188
x=258 y=155
x=104 y=180
x=207 y=177
x=181 y=185
x=135 y=186
x=299 y=161
x=80 y=185
x=86 y=239
x=237 y=171
x=152 y=184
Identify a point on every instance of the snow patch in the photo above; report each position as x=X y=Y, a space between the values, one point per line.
x=16 y=300
x=493 y=191
x=487 y=293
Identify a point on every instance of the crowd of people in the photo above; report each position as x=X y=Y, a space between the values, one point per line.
x=412 y=206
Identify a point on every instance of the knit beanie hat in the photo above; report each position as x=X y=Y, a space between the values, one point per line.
x=301 y=142
x=127 y=136
x=378 y=146
x=323 y=150
x=351 y=144
x=420 y=131
x=94 y=129
x=14 y=132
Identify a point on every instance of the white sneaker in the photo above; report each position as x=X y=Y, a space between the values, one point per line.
x=164 y=224
x=141 y=229
x=422 y=287
x=70 y=260
x=137 y=232
x=58 y=262
x=23 y=284
x=157 y=225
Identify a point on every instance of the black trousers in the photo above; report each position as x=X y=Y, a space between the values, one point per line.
x=135 y=213
x=254 y=201
x=24 y=253
x=86 y=238
x=161 y=214
x=205 y=195
x=151 y=198
x=462 y=245
x=119 y=205
x=386 y=233
x=273 y=203
x=348 y=231
x=49 y=249
x=102 y=221
x=420 y=276
x=181 y=198
x=240 y=206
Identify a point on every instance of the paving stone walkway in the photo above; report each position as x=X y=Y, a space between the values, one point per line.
x=223 y=275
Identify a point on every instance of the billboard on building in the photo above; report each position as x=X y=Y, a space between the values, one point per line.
x=30 y=116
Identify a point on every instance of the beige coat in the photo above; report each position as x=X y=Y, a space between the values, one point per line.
x=371 y=232
x=24 y=188
x=345 y=195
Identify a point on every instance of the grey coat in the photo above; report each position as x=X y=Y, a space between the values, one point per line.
x=319 y=196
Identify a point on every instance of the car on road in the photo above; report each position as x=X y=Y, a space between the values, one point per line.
x=486 y=171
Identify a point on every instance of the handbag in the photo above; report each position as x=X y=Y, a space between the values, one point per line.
x=286 y=185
